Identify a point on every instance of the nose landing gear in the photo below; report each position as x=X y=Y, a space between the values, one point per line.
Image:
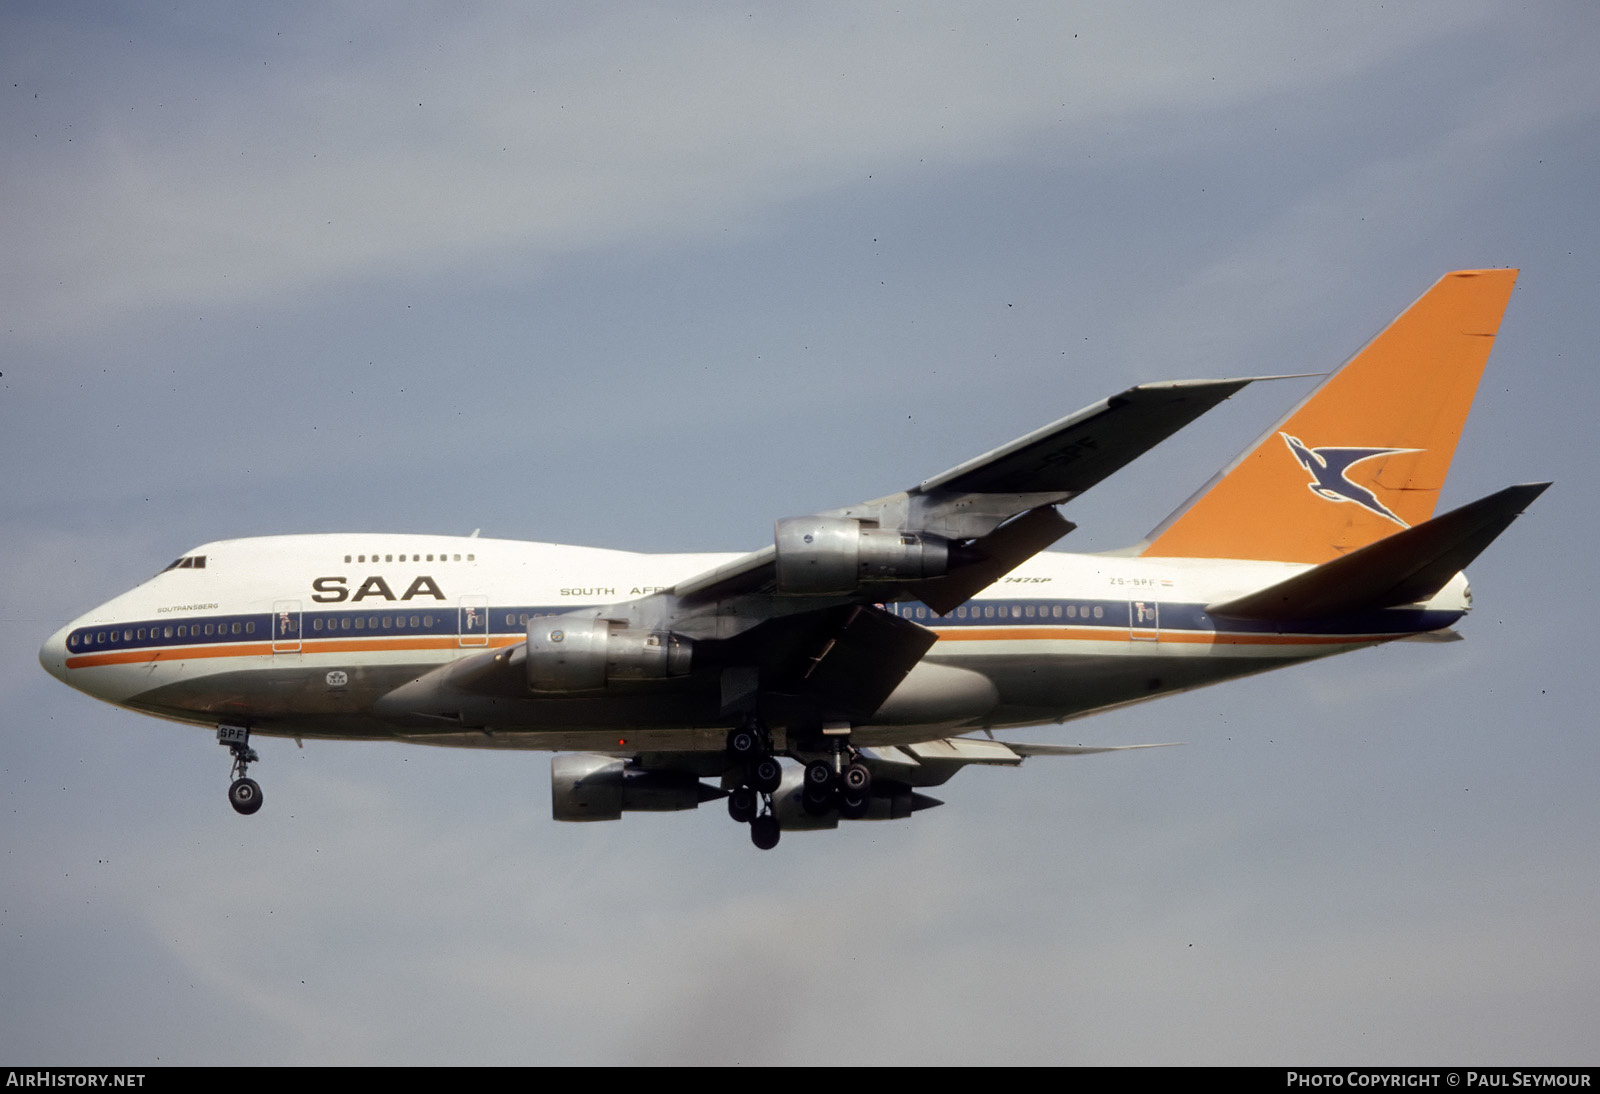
x=244 y=795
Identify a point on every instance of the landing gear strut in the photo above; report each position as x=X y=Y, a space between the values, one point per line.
x=244 y=795
x=750 y=753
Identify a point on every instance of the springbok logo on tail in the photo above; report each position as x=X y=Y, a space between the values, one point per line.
x=1328 y=467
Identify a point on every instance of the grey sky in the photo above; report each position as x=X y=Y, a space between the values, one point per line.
x=651 y=276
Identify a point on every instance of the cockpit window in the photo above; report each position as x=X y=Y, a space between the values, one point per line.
x=187 y=562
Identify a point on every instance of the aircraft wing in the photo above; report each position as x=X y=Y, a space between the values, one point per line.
x=976 y=502
x=796 y=630
x=1075 y=453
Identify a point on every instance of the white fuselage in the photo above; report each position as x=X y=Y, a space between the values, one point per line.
x=305 y=635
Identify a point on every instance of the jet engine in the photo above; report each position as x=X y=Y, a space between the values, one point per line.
x=888 y=802
x=586 y=787
x=574 y=653
x=831 y=555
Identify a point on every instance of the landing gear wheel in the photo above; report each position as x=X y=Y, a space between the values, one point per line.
x=245 y=796
x=766 y=774
x=764 y=832
x=857 y=779
x=742 y=804
x=744 y=743
x=819 y=778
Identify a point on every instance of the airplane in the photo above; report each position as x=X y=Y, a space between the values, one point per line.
x=872 y=644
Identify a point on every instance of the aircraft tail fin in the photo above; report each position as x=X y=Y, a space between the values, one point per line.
x=1366 y=453
x=1405 y=568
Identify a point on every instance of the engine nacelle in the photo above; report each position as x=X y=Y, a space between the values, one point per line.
x=586 y=787
x=567 y=653
x=887 y=803
x=823 y=555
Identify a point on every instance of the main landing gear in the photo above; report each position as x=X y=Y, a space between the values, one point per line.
x=244 y=795
x=750 y=750
x=841 y=781
x=838 y=780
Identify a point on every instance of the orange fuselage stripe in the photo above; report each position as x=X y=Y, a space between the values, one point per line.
x=264 y=649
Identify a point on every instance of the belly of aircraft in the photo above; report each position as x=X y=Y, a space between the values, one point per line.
x=316 y=697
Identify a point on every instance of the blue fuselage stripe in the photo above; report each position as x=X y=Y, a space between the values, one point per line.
x=451 y=621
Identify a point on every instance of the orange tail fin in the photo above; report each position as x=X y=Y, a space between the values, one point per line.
x=1366 y=453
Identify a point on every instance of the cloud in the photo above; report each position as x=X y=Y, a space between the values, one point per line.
x=332 y=148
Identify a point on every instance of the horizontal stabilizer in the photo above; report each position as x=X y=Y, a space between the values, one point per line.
x=1405 y=568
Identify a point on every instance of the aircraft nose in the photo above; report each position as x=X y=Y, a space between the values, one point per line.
x=53 y=654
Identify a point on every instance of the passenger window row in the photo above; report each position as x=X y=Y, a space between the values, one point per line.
x=441 y=556
x=1008 y=611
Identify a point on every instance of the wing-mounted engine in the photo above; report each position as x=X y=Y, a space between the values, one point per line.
x=832 y=555
x=580 y=652
x=587 y=787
